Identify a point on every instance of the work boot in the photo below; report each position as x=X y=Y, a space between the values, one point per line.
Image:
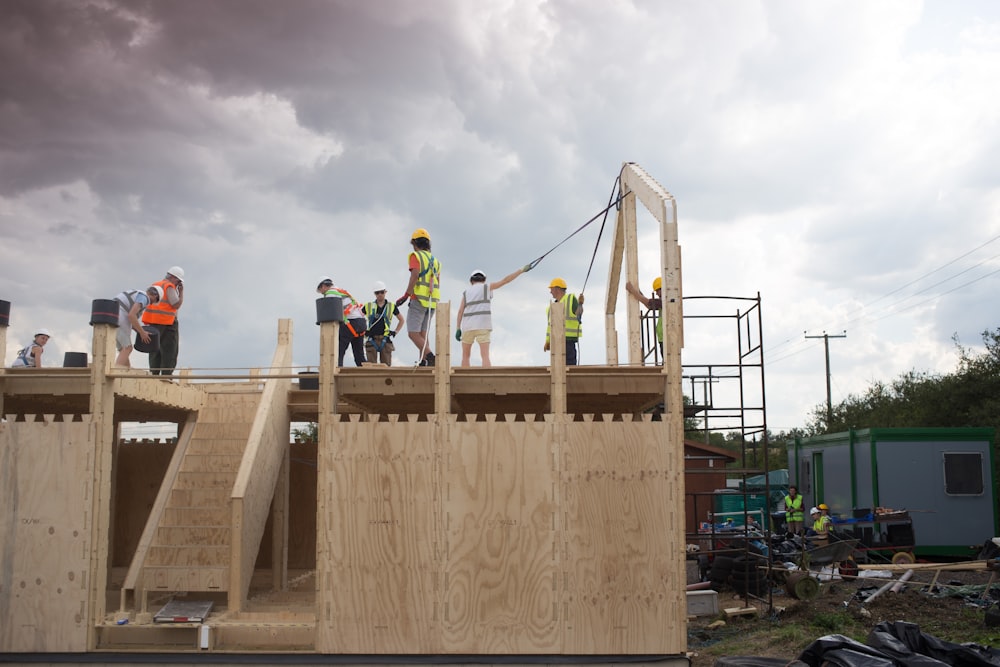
x=428 y=360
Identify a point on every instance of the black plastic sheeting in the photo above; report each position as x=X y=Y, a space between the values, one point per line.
x=897 y=644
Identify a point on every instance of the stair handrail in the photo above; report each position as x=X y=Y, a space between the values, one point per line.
x=253 y=489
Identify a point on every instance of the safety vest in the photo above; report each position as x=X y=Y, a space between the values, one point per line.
x=822 y=524
x=477 y=314
x=795 y=513
x=376 y=314
x=128 y=298
x=573 y=327
x=427 y=289
x=352 y=309
x=25 y=356
x=161 y=312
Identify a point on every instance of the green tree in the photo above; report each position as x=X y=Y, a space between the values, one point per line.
x=968 y=396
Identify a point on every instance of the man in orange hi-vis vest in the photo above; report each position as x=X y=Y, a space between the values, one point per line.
x=163 y=317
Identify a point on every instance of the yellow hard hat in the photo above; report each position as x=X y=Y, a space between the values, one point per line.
x=557 y=282
x=657 y=283
x=421 y=233
x=823 y=506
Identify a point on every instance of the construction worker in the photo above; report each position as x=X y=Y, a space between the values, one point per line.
x=820 y=530
x=475 y=318
x=162 y=316
x=654 y=303
x=379 y=313
x=30 y=356
x=423 y=292
x=131 y=304
x=352 y=334
x=573 y=306
x=793 y=511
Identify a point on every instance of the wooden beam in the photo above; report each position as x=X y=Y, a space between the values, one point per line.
x=557 y=356
x=442 y=362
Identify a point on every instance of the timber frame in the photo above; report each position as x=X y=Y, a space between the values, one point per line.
x=506 y=511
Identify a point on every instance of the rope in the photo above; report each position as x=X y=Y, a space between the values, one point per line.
x=612 y=201
x=579 y=229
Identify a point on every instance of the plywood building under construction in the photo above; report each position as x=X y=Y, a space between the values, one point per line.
x=506 y=511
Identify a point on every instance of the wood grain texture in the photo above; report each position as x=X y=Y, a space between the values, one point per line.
x=377 y=521
x=45 y=536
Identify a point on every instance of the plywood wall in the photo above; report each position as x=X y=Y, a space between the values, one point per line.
x=46 y=471
x=500 y=537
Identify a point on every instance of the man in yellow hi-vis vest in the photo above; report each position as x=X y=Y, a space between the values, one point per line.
x=423 y=292
x=573 y=306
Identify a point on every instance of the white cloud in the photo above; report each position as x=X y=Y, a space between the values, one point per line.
x=829 y=156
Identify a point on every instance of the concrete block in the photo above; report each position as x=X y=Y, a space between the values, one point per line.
x=702 y=603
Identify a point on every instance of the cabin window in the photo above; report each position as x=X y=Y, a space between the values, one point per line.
x=963 y=473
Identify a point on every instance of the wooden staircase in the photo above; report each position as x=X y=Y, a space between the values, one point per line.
x=191 y=546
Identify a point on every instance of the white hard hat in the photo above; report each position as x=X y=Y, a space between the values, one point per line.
x=176 y=272
x=43 y=332
x=324 y=279
x=814 y=510
x=379 y=286
x=478 y=272
x=158 y=290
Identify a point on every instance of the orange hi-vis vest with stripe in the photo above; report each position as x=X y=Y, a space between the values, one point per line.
x=161 y=312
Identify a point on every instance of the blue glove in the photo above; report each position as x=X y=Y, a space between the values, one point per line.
x=458 y=335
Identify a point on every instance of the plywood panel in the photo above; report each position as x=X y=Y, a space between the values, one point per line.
x=623 y=568
x=500 y=551
x=44 y=535
x=377 y=527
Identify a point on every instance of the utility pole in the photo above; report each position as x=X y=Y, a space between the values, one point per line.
x=826 y=343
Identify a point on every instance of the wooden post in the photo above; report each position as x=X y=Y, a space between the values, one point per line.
x=557 y=354
x=325 y=445
x=102 y=408
x=632 y=274
x=442 y=363
x=611 y=301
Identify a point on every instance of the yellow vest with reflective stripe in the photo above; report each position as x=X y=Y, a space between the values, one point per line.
x=573 y=326
x=427 y=289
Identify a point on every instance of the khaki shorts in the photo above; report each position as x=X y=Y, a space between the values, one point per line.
x=475 y=336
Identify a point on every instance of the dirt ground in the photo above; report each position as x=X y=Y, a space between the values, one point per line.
x=952 y=611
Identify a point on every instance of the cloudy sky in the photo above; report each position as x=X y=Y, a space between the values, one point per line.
x=839 y=158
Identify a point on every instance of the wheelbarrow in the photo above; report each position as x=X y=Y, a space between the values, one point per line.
x=802 y=584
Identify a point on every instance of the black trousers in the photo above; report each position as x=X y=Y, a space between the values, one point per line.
x=571 y=351
x=356 y=343
x=164 y=360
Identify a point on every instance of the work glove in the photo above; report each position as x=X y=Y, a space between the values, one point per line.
x=401 y=300
x=458 y=335
x=527 y=267
x=392 y=334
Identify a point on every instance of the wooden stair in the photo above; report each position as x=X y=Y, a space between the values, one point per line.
x=191 y=546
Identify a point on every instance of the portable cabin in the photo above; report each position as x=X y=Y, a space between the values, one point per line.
x=943 y=478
